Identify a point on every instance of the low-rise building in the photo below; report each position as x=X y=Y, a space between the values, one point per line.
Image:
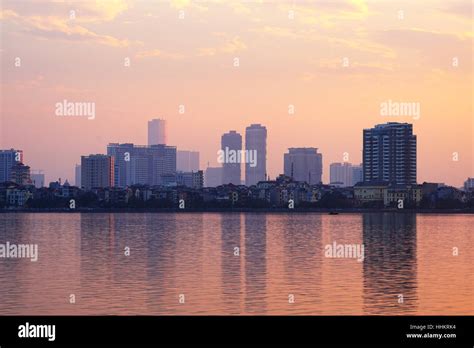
x=370 y=192
x=410 y=195
x=17 y=197
x=20 y=174
x=469 y=185
x=191 y=179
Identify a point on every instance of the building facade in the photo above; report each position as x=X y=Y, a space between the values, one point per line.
x=37 y=179
x=157 y=132
x=357 y=174
x=469 y=184
x=143 y=165
x=17 y=197
x=191 y=179
x=231 y=145
x=8 y=158
x=388 y=195
x=370 y=192
x=187 y=161
x=97 y=171
x=213 y=177
x=20 y=174
x=341 y=174
x=256 y=141
x=389 y=154
x=77 y=174
x=410 y=195
x=304 y=164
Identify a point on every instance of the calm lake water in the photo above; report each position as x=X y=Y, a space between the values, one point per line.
x=281 y=256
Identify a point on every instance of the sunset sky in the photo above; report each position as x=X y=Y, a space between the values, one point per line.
x=289 y=52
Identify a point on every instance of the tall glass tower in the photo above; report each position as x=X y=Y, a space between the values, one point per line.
x=256 y=140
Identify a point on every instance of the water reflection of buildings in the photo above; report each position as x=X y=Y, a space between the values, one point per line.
x=231 y=264
x=16 y=229
x=302 y=258
x=111 y=282
x=255 y=263
x=192 y=276
x=41 y=287
x=97 y=271
x=161 y=242
x=342 y=278
x=390 y=265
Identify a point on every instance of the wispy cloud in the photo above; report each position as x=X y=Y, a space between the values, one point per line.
x=427 y=41
x=102 y=10
x=328 y=14
x=59 y=28
x=230 y=46
x=85 y=11
x=358 y=42
x=462 y=9
x=187 y=4
x=159 y=53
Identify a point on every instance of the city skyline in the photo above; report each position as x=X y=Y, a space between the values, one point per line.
x=186 y=164
x=134 y=163
x=326 y=85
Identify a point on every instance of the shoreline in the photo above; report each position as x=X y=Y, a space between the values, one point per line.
x=242 y=210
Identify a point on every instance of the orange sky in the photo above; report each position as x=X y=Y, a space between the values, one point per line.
x=290 y=52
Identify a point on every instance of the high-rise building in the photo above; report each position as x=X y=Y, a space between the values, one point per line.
x=256 y=141
x=187 y=161
x=20 y=174
x=389 y=154
x=304 y=164
x=97 y=171
x=135 y=164
x=357 y=174
x=157 y=132
x=37 y=179
x=213 y=177
x=341 y=174
x=7 y=159
x=77 y=175
x=231 y=144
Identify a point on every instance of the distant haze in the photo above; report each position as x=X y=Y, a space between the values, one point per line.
x=314 y=73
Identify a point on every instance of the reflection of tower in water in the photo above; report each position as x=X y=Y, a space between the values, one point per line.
x=161 y=243
x=97 y=244
x=16 y=229
x=97 y=239
x=231 y=268
x=390 y=269
x=255 y=262
x=302 y=256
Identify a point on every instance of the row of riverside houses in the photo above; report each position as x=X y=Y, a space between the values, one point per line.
x=283 y=192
